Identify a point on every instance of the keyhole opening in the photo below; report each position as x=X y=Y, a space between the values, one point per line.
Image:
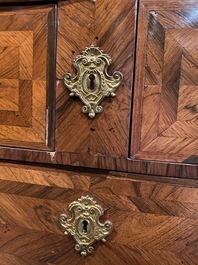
x=91 y=81
x=84 y=226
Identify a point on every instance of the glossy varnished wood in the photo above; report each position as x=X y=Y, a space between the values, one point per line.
x=180 y=170
x=155 y=220
x=24 y=76
x=165 y=126
x=110 y=25
x=85 y=157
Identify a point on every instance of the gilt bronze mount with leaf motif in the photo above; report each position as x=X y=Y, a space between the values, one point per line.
x=92 y=82
x=84 y=224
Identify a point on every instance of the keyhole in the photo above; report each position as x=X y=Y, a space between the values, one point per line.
x=84 y=226
x=91 y=81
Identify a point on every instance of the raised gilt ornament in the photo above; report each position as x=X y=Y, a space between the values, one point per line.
x=92 y=82
x=84 y=224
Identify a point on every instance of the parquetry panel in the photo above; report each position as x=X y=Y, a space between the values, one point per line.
x=23 y=86
x=167 y=83
x=9 y=94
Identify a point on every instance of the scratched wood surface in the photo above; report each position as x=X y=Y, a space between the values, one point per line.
x=24 y=76
x=109 y=25
x=155 y=220
x=165 y=124
x=188 y=170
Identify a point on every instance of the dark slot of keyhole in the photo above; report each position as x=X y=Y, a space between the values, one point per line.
x=91 y=81
x=84 y=226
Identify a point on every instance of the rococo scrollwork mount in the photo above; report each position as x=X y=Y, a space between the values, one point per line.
x=92 y=82
x=84 y=224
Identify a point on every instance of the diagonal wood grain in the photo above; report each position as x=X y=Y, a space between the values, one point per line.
x=11 y=56
x=9 y=94
x=105 y=24
x=187 y=109
x=154 y=222
x=24 y=73
x=165 y=117
x=9 y=259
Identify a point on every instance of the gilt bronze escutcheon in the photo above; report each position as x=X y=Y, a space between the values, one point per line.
x=92 y=82
x=84 y=224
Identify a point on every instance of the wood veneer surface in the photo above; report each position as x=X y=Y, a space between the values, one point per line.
x=155 y=220
x=25 y=79
x=186 y=171
x=98 y=160
x=109 y=25
x=165 y=125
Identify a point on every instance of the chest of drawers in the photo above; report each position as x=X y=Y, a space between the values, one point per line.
x=137 y=158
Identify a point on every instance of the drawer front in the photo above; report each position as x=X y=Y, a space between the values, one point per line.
x=165 y=124
x=109 y=25
x=25 y=81
x=154 y=222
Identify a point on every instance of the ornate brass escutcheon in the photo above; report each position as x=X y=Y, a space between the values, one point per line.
x=92 y=82
x=84 y=225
